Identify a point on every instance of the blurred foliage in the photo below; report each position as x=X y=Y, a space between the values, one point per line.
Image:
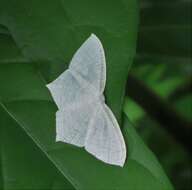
x=164 y=63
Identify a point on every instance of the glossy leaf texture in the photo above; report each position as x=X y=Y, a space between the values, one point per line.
x=47 y=34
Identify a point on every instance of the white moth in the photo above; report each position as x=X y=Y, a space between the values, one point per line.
x=83 y=118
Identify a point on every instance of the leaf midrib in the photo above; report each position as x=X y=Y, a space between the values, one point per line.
x=38 y=144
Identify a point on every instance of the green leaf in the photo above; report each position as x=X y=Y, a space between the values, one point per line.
x=9 y=51
x=49 y=38
x=132 y=110
x=21 y=103
x=23 y=165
